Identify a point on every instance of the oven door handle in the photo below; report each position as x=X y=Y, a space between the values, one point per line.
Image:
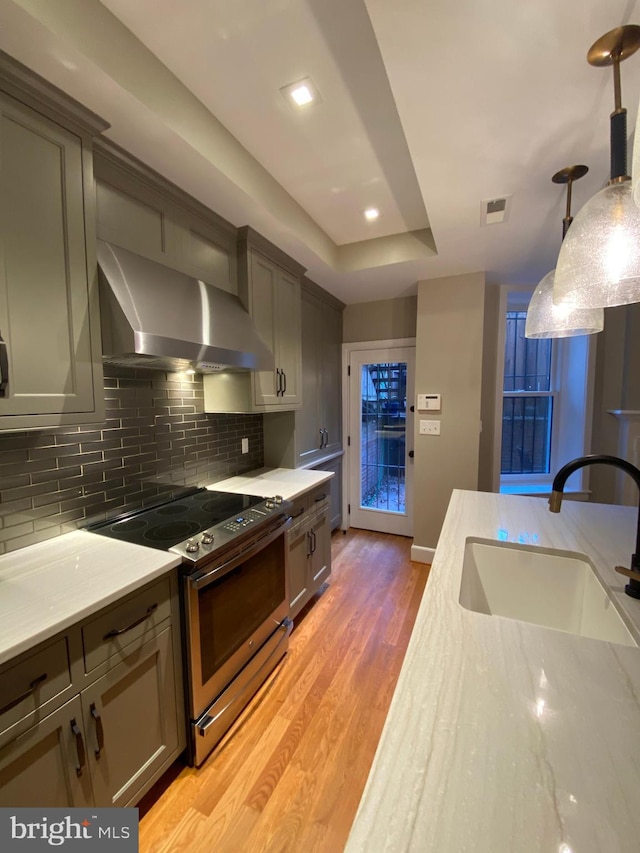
x=199 y=581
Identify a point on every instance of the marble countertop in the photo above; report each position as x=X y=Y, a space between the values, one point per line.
x=47 y=587
x=502 y=735
x=265 y=482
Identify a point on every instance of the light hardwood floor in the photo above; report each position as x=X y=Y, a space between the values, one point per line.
x=289 y=775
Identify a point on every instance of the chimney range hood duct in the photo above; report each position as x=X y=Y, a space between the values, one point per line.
x=157 y=317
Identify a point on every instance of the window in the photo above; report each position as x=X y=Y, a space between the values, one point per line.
x=527 y=407
x=544 y=389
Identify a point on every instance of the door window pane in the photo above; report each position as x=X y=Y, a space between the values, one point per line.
x=383 y=436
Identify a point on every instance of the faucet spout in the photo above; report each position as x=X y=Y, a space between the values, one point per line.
x=555 y=502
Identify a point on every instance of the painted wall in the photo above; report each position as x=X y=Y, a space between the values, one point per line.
x=380 y=321
x=450 y=327
x=491 y=336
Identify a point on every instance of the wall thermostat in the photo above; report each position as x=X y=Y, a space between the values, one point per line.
x=429 y=402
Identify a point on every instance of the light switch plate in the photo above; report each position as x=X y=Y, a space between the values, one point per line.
x=429 y=427
x=245 y=445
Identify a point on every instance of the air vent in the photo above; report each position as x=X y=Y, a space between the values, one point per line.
x=495 y=210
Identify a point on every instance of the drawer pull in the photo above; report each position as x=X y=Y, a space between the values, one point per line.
x=82 y=759
x=32 y=688
x=320 y=498
x=116 y=632
x=298 y=514
x=99 y=730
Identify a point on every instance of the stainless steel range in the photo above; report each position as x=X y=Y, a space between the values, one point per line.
x=234 y=596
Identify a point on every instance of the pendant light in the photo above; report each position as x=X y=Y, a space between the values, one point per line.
x=544 y=318
x=599 y=262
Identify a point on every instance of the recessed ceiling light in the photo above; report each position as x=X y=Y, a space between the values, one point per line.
x=371 y=213
x=301 y=94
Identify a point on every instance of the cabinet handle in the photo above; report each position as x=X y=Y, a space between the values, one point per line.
x=99 y=730
x=278 y=382
x=321 y=438
x=115 y=632
x=284 y=390
x=32 y=688
x=298 y=514
x=79 y=747
x=320 y=497
x=313 y=539
x=326 y=438
x=4 y=366
x=309 y=544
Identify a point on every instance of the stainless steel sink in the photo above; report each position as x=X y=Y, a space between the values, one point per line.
x=555 y=589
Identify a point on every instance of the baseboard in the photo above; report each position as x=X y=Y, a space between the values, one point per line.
x=420 y=554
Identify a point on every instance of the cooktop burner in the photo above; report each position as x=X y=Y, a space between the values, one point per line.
x=176 y=524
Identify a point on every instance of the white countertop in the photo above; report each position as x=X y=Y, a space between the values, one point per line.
x=47 y=587
x=266 y=482
x=502 y=735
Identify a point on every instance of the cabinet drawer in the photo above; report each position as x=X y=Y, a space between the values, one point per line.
x=34 y=680
x=299 y=511
x=135 y=620
x=319 y=498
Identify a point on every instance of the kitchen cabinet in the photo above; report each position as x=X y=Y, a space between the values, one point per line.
x=269 y=288
x=314 y=432
x=103 y=716
x=308 y=548
x=335 y=490
x=141 y=211
x=50 y=360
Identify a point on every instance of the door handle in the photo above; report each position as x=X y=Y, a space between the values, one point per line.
x=4 y=366
x=82 y=758
x=99 y=730
x=410 y=454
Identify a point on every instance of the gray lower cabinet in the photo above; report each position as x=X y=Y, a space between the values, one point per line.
x=50 y=360
x=130 y=719
x=308 y=548
x=46 y=766
x=122 y=726
x=335 y=490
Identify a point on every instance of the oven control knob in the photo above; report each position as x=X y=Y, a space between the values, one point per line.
x=278 y=500
x=207 y=538
x=191 y=546
x=270 y=504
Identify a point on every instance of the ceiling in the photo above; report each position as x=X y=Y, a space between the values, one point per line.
x=428 y=109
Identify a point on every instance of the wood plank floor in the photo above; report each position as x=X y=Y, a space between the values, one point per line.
x=289 y=775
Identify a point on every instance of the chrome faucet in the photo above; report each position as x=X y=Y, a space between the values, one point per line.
x=555 y=502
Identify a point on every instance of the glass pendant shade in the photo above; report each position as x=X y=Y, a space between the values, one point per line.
x=599 y=261
x=545 y=319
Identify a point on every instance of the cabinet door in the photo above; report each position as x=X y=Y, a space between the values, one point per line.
x=44 y=294
x=46 y=766
x=297 y=573
x=263 y=309
x=288 y=343
x=131 y=720
x=335 y=491
x=309 y=438
x=320 y=563
x=331 y=366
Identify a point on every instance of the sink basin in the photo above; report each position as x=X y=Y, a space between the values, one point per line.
x=555 y=589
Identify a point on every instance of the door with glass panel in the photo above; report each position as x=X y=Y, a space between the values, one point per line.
x=381 y=439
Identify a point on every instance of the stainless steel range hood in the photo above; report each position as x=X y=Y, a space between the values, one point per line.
x=157 y=317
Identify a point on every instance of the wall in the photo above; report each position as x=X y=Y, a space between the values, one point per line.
x=156 y=437
x=384 y=320
x=491 y=336
x=449 y=345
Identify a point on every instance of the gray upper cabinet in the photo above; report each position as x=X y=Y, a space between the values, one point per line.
x=50 y=361
x=141 y=211
x=269 y=288
x=314 y=432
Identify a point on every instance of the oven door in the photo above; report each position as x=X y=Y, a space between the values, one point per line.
x=232 y=608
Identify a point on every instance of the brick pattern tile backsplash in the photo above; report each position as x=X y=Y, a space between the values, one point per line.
x=156 y=438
